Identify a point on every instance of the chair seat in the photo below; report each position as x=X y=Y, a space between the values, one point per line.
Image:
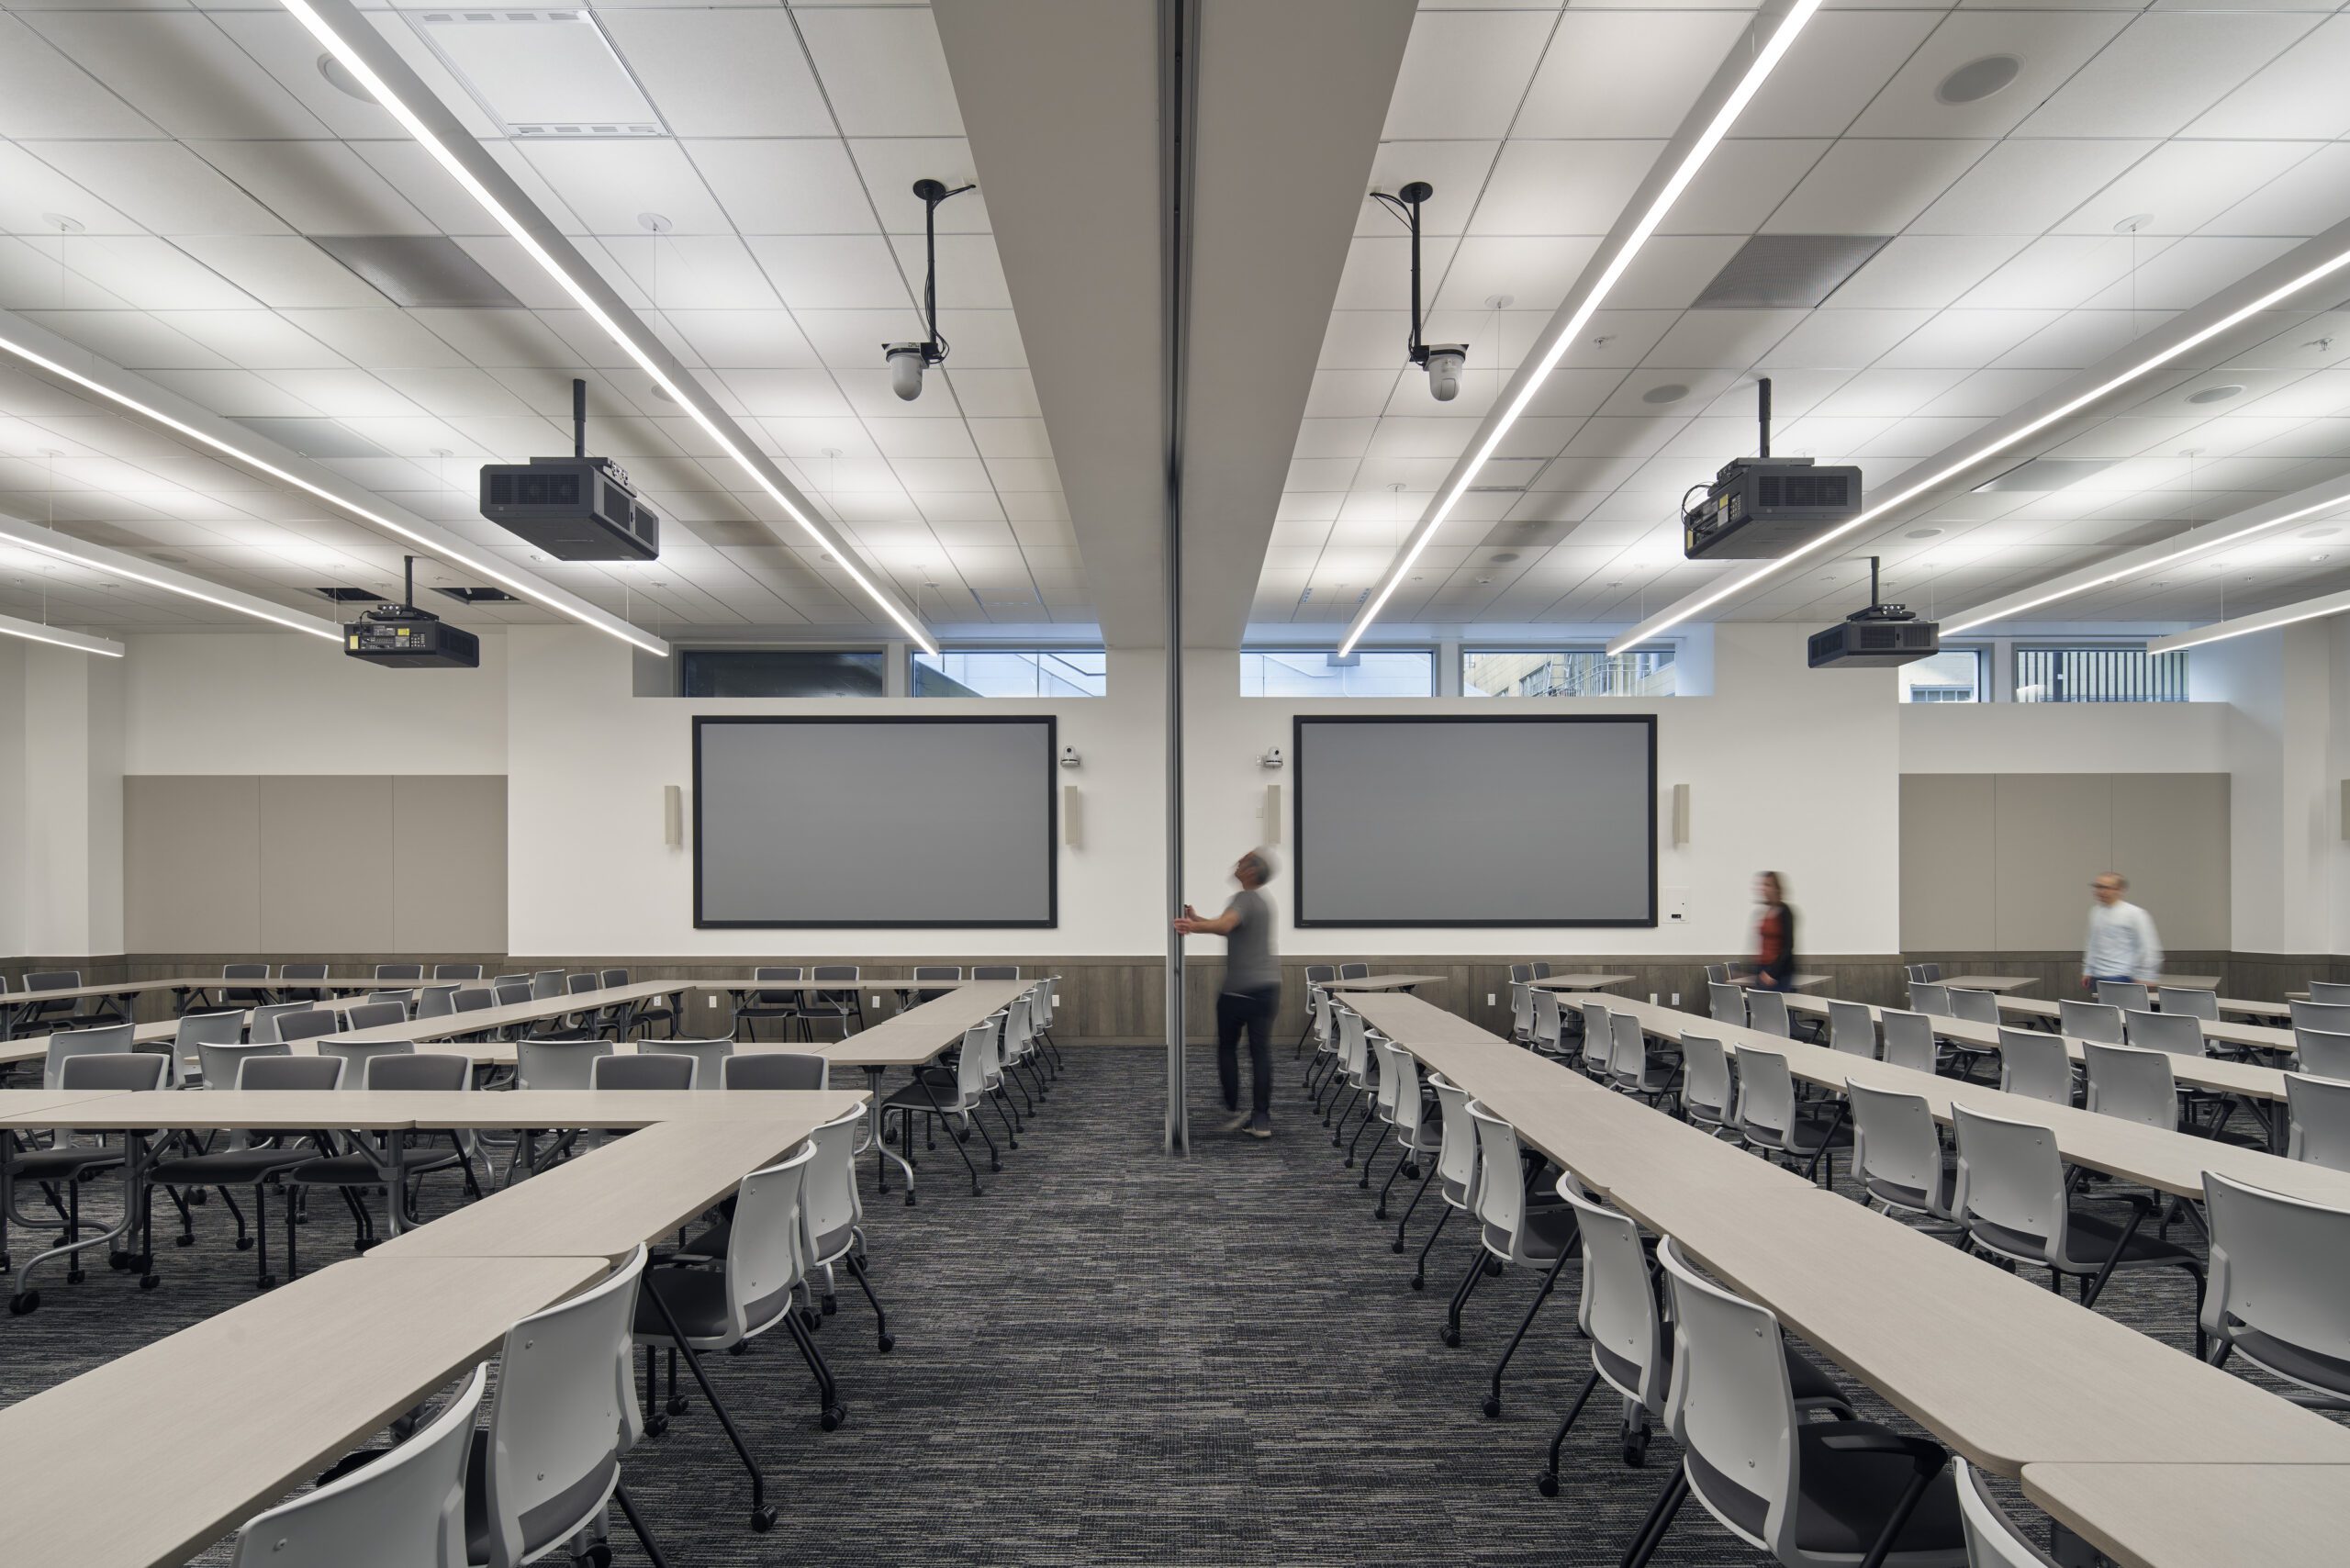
x=1811 y=1386
x=2091 y=1236
x=1844 y=1497
x=50 y=1164
x=696 y=1298
x=1546 y=1234
x=918 y=1096
x=1902 y=1195
x=2288 y=1359
x=229 y=1167
x=543 y=1526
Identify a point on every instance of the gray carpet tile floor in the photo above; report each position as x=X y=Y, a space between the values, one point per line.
x=1110 y=1357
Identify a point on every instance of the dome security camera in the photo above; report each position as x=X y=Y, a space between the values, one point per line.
x=1444 y=363
x=906 y=365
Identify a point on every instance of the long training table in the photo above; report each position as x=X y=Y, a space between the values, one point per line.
x=1368 y=983
x=2249 y=1036
x=2009 y=1374
x=912 y=1040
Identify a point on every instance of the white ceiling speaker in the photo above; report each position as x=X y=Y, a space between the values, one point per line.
x=908 y=361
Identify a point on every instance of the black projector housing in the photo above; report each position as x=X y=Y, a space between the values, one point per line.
x=1876 y=638
x=400 y=636
x=574 y=509
x=1759 y=509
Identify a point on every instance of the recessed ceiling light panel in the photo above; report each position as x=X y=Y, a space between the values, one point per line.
x=541 y=72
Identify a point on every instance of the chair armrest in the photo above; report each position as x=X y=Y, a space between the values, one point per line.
x=1926 y=1454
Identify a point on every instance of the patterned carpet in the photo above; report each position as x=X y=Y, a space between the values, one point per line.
x=1109 y=1358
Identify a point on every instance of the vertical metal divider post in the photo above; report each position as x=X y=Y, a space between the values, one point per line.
x=1179 y=33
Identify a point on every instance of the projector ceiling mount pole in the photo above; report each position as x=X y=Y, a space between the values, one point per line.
x=1441 y=361
x=908 y=361
x=1763 y=414
x=578 y=418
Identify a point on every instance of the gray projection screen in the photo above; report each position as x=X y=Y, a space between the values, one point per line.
x=875 y=822
x=1544 y=821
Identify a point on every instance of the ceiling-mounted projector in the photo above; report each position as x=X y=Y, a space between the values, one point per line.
x=574 y=508
x=401 y=637
x=1761 y=508
x=1876 y=637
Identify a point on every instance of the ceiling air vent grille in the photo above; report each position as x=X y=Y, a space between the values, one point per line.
x=1788 y=271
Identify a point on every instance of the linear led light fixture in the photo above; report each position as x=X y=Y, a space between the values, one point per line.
x=349 y=37
x=440 y=544
x=2267 y=621
x=114 y=564
x=2257 y=520
x=1666 y=620
x=1566 y=329
x=57 y=636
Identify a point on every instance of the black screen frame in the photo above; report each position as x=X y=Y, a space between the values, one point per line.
x=1052 y=822
x=1297 y=817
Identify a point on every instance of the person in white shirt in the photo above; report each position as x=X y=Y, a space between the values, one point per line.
x=2122 y=943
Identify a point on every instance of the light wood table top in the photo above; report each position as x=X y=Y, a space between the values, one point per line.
x=2252 y=1009
x=534 y=1011
x=2004 y=1371
x=919 y=1034
x=214 y=982
x=1383 y=983
x=864 y=983
x=1986 y=983
x=2190 y=982
x=153 y=1456
x=2202 y=1516
x=1581 y=983
x=24 y=1107
x=626 y=1193
x=1795 y=982
x=391 y=1110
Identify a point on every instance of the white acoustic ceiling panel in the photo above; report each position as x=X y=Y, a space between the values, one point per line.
x=543 y=73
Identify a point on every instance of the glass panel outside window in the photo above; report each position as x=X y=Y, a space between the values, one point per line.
x=2095 y=674
x=781 y=672
x=1566 y=672
x=1407 y=672
x=1013 y=672
x=1954 y=675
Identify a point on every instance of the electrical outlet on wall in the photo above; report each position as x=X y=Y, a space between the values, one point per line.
x=877 y=1003
x=1676 y=906
x=1489 y=999
x=1676 y=999
x=710 y=1001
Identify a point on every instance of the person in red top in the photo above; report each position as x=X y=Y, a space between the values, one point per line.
x=1774 y=936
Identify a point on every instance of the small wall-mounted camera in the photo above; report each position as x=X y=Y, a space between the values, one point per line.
x=1068 y=756
x=1271 y=760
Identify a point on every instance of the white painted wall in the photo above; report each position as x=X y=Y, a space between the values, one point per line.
x=73 y=731
x=587 y=760
x=1789 y=769
x=273 y=702
x=15 y=826
x=2060 y=737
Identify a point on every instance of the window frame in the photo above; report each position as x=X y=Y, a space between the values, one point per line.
x=2020 y=646
x=1433 y=653
x=1985 y=677
x=685 y=652
x=914 y=656
x=1463 y=650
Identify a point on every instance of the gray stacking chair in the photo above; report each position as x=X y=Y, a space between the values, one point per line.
x=1354 y=972
x=2181 y=1033
x=2099 y=1021
x=96 y=1040
x=1975 y=1006
x=399 y=971
x=58 y=1012
x=1632 y=1067
x=1724 y=1003
x=838 y=1006
x=1546 y=1035
x=2173 y=998
x=1708 y=1093
x=358 y=1056
x=1717 y=974
x=66 y=1164
x=2133 y=1082
x=289 y=978
x=1898 y=1152
x=2329 y=990
x=1908 y=1039
x=199 y=1029
x=2333 y=1017
x=404 y=1000
x=437 y=1001
x=1767 y=1010
x=2033 y=1062
x=558 y=1064
x=1515 y=1230
x=2320 y=1127
x=709 y=1057
x=2280 y=1275
x=1771 y=1121
x=1934 y=1000
x=309 y=1023
x=979 y=972
x=1851 y=1028
x=374 y=1014
x=1993 y=1540
x=263 y=1028
x=758 y=1004
x=2128 y=995
x=775 y=1070
x=457 y=971
x=244 y=1162
x=396 y=1066
x=546 y=985
x=644 y=1070
x=241 y=996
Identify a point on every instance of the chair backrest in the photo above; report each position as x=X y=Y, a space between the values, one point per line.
x=309 y=1023
x=1619 y=1311
x=1354 y=972
x=405 y=1510
x=1929 y=971
x=1315 y=974
x=1520 y=973
x=1725 y=1003
x=1628 y=1057
x=300 y=1074
x=610 y=976
x=197 y=1029
x=357 y=1055
x=1717 y=973
x=1541 y=970
x=2133 y=1083
x=939 y=972
x=978 y=972
x=505 y=993
x=405 y=999
x=244 y=971
x=1456 y=1159
x=1410 y=1105
x=1934 y=1000
x=223 y=1063
x=1730 y=1404
x=781 y=974
x=1993 y=1540
x=1909 y=1038
x=439 y=1071
x=1895 y=1140
x=1598 y=1036
x=1500 y=1203
x=567 y=1410
x=2280 y=1268
x=2191 y=1003
x=581 y=984
x=1767 y=1010
x=2100 y=1020
x=546 y=985
x=399 y=971
x=1851 y=1028
x=64 y=1044
x=373 y=1015
x=649 y=1070
x=477 y=999
x=558 y=1064
x=115 y=1072
x=2124 y=994
x=2181 y=1033
x=1544 y=1024
x=2010 y=1176
x=301 y=971
x=2033 y=1062
x=1975 y=1006
x=709 y=1057
x=437 y=1001
x=980 y=1060
x=1766 y=1091
x=2329 y=990
x=829 y=1207
x=1353 y=1058
x=52 y=979
x=264 y=1024
x=1706 y=1087
x=2320 y=1112
x=772 y=1070
x=1913 y=971
x=765 y=1248
x=457 y=971
x=1521 y=1007
x=2333 y=1017
x=851 y=971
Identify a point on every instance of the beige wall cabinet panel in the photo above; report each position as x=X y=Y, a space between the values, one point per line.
x=327 y=863
x=1947 y=891
x=2055 y=834
x=2170 y=838
x=447 y=892
x=191 y=850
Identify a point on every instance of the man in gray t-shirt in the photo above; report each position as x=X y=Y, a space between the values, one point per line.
x=1251 y=992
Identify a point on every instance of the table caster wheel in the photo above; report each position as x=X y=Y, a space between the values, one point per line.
x=149 y=1282
x=183 y=1240
x=1418 y=1283
x=763 y=1519
x=678 y=1405
x=75 y=1276
x=598 y=1556
x=909 y=1198
x=832 y=1304
x=834 y=1415
x=1546 y=1484
x=117 y=1261
x=244 y=1244
x=1396 y=1247
x=23 y=1302
x=1635 y=1451
x=655 y=1424
x=1379 y=1212
x=1449 y=1335
x=1492 y=1408
x=267 y=1282
x=889 y=1342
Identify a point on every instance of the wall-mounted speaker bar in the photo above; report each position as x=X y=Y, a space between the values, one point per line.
x=1680 y=815
x=1072 y=817
x=673 y=815
x=1272 y=813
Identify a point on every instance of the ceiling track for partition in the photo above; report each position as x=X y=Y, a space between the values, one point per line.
x=1178 y=38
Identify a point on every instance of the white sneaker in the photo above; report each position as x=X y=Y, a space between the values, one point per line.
x=1237 y=1124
